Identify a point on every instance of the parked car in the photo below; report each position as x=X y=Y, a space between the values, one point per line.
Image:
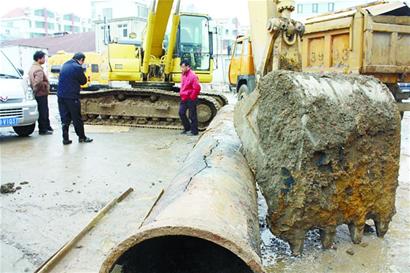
x=18 y=107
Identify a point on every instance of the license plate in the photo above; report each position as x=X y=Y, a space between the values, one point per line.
x=8 y=121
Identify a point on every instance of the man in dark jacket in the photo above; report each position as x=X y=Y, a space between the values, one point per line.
x=69 y=85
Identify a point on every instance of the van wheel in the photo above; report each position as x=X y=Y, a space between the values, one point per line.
x=243 y=91
x=24 y=131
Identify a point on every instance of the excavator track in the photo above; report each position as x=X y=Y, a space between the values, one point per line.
x=144 y=107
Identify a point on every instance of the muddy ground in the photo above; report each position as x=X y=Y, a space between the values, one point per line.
x=62 y=187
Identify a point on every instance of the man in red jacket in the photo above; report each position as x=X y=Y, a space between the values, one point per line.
x=189 y=92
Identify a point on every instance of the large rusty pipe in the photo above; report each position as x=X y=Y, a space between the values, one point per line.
x=206 y=220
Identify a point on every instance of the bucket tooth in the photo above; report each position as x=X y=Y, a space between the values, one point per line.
x=296 y=242
x=327 y=236
x=356 y=232
x=381 y=227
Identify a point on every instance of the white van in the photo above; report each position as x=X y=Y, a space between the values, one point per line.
x=18 y=107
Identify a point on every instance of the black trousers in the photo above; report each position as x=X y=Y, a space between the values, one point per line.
x=192 y=122
x=43 y=119
x=70 y=110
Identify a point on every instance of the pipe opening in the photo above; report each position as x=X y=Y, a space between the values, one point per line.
x=179 y=254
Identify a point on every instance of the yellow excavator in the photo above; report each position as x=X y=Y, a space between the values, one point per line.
x=151 y=70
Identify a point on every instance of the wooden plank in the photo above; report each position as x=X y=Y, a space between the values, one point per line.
x=152 y=207
x=389 y=19
x=50 y=263
x=389 y=28
x=329 y=25
x=386 y=69
x=393 y=48
x=403 y=106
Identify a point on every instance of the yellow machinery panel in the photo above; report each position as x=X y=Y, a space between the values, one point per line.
x=340 y=50
x=315 y=57
x=92 y=64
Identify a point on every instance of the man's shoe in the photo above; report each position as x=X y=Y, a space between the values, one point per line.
x=184 y=132
x=66 y=142
x=85 y=140
x=45 y=133
x=50 y=129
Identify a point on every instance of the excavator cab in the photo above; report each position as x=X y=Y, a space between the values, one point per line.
x=194 y=41
x=142 y=76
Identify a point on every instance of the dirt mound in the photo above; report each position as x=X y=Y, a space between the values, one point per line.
x=325 y=151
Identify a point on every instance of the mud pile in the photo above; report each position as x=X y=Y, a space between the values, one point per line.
x=325 y=151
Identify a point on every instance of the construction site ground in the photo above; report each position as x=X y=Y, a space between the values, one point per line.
x=63 y=187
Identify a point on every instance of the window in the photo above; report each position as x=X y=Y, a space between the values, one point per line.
x=123 y=30
x=142 y=11
x=35 y=35
x=40 y=24
x=194 y=41
x=238 y=49
x=39 y=12
x=226 y=31
x=67 y=17
x=315 y=8
x=107 y=13
x=245 y=47
x=331 y=6
x=299 y=8
x=94 y=68
x=76 y=29
x=68 y=28
x=50 y=14
x=50 y=26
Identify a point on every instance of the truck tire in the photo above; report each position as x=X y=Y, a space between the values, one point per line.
x=24 y=131
x=243 y=91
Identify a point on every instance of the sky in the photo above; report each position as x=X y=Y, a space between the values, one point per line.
x=214 y=8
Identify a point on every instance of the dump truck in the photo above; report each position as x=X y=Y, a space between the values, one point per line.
x=149 y=72
x=369 y=40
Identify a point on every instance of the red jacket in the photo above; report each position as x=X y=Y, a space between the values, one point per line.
x=190 y=87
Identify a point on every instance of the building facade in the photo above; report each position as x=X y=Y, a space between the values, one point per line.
x=31 y=23
x=118 y=20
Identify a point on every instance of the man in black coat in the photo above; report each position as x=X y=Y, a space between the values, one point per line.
x=69 y=85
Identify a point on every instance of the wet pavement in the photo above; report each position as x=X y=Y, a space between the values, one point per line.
x=63 y=187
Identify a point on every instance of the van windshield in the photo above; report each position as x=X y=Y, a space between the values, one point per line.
x=7 y=70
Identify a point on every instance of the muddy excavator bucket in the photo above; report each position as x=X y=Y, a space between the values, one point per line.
x=325 y=151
